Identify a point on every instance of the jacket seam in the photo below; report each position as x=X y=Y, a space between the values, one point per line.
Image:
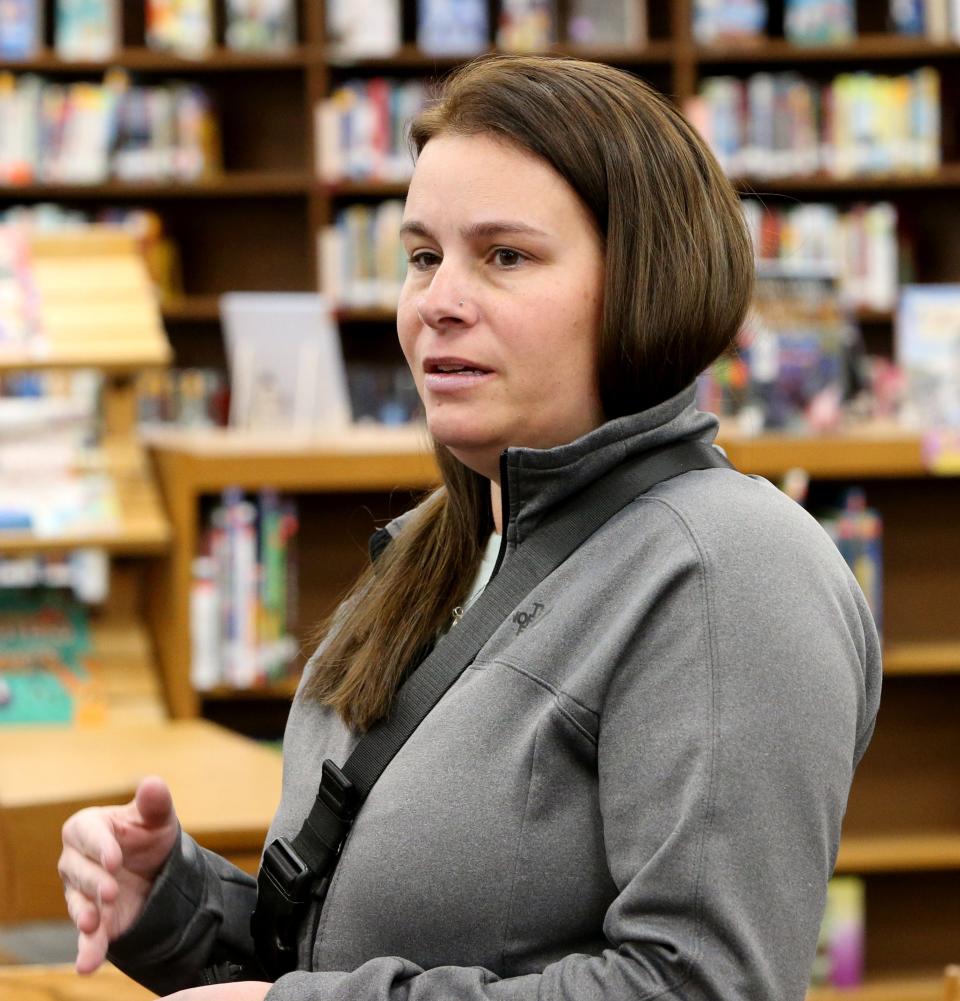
x=555 y=692
x=712 y=660
x=508 y=915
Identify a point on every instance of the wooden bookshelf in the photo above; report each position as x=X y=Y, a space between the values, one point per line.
x=929 y=988
x=870 y=48
x=236 y=184
x=881 y=853
x=144 y=60
x=922 y=658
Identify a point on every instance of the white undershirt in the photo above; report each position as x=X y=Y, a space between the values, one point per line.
x=484 y=572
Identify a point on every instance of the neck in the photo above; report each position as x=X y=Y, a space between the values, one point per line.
x=496 y=507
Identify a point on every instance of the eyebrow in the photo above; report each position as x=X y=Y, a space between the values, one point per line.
x=495 y=227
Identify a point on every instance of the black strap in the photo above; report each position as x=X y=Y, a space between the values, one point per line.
x=296 y=871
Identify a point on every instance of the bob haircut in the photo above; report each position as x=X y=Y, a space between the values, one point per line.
x=678 y=280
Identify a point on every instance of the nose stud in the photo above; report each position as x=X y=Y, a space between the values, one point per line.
x=460 y=303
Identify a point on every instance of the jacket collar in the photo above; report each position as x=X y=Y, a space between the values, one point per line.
x=536 y=480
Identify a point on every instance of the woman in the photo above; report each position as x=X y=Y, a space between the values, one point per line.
x=636 y=789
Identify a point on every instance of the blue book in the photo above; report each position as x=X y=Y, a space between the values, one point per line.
x=21 y=28
x=452 y=27
x=906 y=17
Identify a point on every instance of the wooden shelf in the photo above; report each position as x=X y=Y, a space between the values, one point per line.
x=237 y=184
x=281 y=691
x=367 y=314
x=947 y=176
x=917 y=658
x=142 y=530
x=410 y=57
x=865 y=48
x=905 y=988
x=365 y=189
x=163 y=62
x=357 y=459
x=871 y=453
x=201 y=308
x=135 y=357
x=882 y=853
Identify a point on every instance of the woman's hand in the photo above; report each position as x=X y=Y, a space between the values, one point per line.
x=247 y=990
x=111 y=856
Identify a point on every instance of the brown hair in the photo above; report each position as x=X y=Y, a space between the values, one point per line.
x=678 y=279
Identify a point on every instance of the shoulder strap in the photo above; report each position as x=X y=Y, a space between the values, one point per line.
x=534 y=560
x=295 y=871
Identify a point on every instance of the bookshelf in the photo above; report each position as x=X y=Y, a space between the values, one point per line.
x=255 y=227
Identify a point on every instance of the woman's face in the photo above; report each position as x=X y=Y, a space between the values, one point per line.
x=499 y=316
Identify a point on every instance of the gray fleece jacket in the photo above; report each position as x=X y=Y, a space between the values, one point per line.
x=634 y=792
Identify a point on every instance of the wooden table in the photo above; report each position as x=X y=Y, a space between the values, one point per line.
x=225 y=788
x=61 y=983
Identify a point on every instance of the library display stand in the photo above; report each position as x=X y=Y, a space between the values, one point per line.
x=902 y=831
x=97 y=311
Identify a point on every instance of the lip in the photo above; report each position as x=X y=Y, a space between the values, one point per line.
x=453 y=382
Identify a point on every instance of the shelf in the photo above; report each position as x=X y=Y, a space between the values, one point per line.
x=365 y=189
x=882 y=853
x=903 y=988
x=872 y=453
x=361 y=458
x=366 y=314
x=32 y=982
x=237 y=184
x=202 y=308
x=106 y=357
x=922 y=659
x=281 y=691
x=947 y=176
x=410 y=57
x=150 y=60
x=867 y=47
x=142 y=530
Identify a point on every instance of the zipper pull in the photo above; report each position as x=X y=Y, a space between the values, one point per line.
x=457 y=616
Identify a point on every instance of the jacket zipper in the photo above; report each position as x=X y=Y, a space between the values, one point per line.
x=504 y=512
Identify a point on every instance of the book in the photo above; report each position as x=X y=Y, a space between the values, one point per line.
x=285 y=362
x=452 y=27
x=184 y=27
x=861 y=245
x=527 y=25
x=21 y=28
x=841 y=942
x=857 y=531
x=778 y=124
x=607 y=23
x=243 y=600
x=260 y=25
x=794 y=359
x=726 y=21
x=906 y=16
x=86 y=29
x=361 y=28
x=927 y=350
x=820 y=22
x=44 y=671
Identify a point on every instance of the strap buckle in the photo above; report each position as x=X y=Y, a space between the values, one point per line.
x=286 y=883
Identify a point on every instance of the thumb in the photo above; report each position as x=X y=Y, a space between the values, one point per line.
x=154 y=802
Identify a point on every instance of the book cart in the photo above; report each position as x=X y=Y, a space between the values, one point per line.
x=255 y=227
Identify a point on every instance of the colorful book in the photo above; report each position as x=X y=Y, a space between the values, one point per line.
x=21 y=28
x=360 y=28
x=261 y=25
x=607 y=23
x=722 y=21
x=527 y=25
x=453 y=27
x=927 y=350
x=184 y=27
x=841 y=942
x=87 y=29
x=820 y=22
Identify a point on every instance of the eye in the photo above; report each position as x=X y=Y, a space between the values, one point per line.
x=422 y=260
x=508 y=258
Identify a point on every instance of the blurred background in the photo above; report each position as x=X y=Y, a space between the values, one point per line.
x=204 y=412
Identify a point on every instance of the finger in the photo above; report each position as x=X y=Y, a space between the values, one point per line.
x=83 y=912
x=81 y=873
x=154 y=802
x=91 y=832
x=91 y=950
